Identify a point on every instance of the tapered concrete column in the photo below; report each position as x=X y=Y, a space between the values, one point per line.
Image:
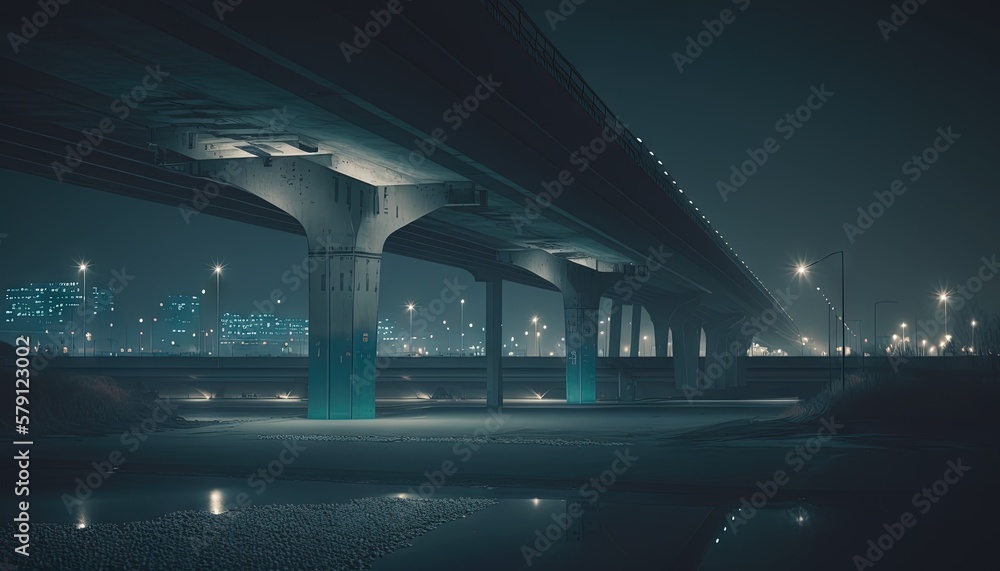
x=581 y=288
x=719 y=371
x=615 y=329
x=687 y=339
x=346 y=224
x=743 y=345
x=494 y=344
x=662 y=312
x=635 y=338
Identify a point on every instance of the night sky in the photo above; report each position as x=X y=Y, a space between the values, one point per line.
x=889 y=98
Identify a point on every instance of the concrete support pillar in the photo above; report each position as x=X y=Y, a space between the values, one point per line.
x=661 y=336
x=743 y=345
x=615 y=329
x=581 y=288
x=635 y=341
x=494 y=344
x=687 y=339
x=346 y=223
x=719 y=371
x=662 y=313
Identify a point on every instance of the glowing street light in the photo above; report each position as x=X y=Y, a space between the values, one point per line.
x=83 y=268
x=943 y=298
x=410 y=307
x=972 y=349
x=217 y=270
x=462 y=330
x=534 y=321
x=802 y=270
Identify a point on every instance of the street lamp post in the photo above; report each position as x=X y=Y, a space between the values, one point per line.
x=461 y=328
x=843 y=308
x=973 y=347
x=875 y=324
x=409 y=308
x=861 y=329
x=802 y=353
x=83 y=307
x=218 y=307
x=534 y=321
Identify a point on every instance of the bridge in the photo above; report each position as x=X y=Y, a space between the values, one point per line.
x=455 y=134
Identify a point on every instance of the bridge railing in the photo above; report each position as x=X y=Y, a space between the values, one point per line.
x=512 y=17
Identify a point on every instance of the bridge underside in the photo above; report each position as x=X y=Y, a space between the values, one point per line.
x=162 y=102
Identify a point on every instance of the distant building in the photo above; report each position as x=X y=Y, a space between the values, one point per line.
x=180 y=324
x=263 y=334
x=54 y=312
x=390 y=342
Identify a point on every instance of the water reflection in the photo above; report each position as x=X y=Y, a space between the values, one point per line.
x=215 y=503
x=618 y=531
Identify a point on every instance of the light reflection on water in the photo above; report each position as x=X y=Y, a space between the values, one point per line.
x=552 y=529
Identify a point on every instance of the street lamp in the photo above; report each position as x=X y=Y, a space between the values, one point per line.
x=645 y=345
x=804 y=341
x=875 y=324
x=534 y=321
x=903 y=327
x=972 y=349
x=943 y=298
x=83 y=307
x=410 y=307
x=462 y=330
x=802 y=269
x=217 y=270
